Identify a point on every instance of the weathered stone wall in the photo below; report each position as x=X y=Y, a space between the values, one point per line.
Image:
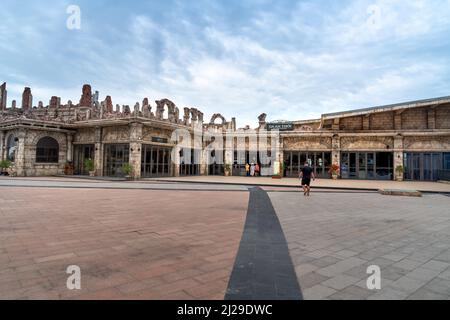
x=382 y=121
x=351 y=123
x=415 y=119
x=85 y=136
x=117 y=134
x=443 y=117
x=367 y=143
x=440 y=144
x=307 y=143
x=31 y=168
x=149 y=132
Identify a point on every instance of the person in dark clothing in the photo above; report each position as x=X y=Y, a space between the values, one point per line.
x=306 y=174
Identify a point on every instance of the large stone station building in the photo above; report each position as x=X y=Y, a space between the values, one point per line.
x=366 y=144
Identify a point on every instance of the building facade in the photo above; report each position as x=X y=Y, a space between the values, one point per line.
x=166 y=141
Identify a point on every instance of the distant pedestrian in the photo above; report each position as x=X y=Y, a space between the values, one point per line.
x=306 y=174
x=247 y=169
x=252 y=170
x=257 y=170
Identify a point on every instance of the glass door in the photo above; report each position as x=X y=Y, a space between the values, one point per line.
x=82 y=153
x=116 y=155
x=156 y=161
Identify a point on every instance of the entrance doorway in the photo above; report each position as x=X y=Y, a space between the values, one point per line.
x=192 y=167
x=295 y=161
x=82 y=153
x=156 y=161
x=367 y=165
x=423 y=166
x=116 y=155
x=263 y=159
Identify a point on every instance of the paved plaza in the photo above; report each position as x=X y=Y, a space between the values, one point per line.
x=150 y=240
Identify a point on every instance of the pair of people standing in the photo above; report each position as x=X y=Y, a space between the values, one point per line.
x=252 y=170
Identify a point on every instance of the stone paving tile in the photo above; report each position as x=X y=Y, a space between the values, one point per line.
x=439 y=285
x=342 y=237
x=425 y=294
x=310 y=280
x=351 y=293
x=318 y=292
x=340 y=282
x=129 y=244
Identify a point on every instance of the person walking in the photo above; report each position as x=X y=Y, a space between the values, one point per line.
x=306 y=174
x=257 y=170
x=252 y=170
x=247 y=169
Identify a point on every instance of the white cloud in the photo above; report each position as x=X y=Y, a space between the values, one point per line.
x=292 y=63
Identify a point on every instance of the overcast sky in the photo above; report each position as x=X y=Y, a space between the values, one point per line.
x=290 y=59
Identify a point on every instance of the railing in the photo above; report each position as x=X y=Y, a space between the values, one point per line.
x=444 y=175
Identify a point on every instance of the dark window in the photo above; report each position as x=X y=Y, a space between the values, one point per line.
x=47 y=151
x=11 y=148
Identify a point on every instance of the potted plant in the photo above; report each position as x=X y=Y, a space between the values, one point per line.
x=68 y=169
x=399 y=171
x=128 y=170
x=227 y=168
x=4 y=166
x=89 y=165
x=334 y=171
x=280 y=173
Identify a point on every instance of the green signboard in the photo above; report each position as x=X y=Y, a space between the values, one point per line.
x=281 y=126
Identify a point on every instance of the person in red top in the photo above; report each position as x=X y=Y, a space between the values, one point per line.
x=257 y=170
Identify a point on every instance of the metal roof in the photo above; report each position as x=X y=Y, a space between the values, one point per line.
x=390 y=107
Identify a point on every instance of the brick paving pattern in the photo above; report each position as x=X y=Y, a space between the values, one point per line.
x=130 y=244
x=334 y=237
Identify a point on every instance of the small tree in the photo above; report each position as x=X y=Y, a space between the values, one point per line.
x=127 y=169
x=89 y=165
x=399 y=169
x=5 y=164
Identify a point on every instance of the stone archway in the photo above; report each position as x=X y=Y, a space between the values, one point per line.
x=218 y=116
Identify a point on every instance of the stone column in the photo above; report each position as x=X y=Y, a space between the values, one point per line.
x=176 y=161
x=398 y=154
x=136 y=149
x=203 y=164
x=20 y=154
x=69 y=155
x=336 y=150
x=2 y=145
x=229 y=153
x=98 y=154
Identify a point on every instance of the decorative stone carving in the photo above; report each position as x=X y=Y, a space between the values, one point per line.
x=114 y=134
x=145 y=108
x=186 y=116
x=306 y=128
x=307 y=143
x=137 y=108
x=426 y=143
x=108 y=104
x=3 y=96
x=86 y=97
x=218 y=116
x=160 y=105
x=27 y=99
x=55 y=102
x=262 y=119
x=367 y=143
